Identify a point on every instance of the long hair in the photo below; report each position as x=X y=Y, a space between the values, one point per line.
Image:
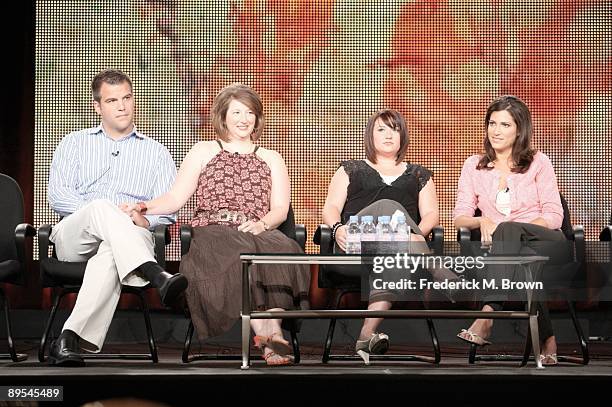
x=522 y=152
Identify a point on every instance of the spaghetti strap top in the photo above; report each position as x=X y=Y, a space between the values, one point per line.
x=232 y=182
x=221 y=147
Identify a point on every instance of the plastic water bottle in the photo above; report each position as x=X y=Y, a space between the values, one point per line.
x=353 y=236
x=368 y=230
x=402 y=231
x=379 y=223
x=384 y=230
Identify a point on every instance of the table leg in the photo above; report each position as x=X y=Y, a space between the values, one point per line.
x=533 y=319
x=246 y=336
x=246 y=316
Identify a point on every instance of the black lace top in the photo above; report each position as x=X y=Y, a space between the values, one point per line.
x=366 y=187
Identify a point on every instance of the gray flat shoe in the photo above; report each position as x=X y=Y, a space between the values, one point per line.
x=378 y=344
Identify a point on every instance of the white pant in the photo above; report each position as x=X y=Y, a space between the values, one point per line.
x=101 y=234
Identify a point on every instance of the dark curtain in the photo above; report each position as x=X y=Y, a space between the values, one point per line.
x=17 y=123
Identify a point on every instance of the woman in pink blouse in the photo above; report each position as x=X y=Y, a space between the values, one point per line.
x=515 y=188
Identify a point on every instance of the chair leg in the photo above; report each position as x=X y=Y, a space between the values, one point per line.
x=15 y=357
x=472 y=354
x=9 y=336
x=147 y=318
x=43 y=340
x=584 y=346
x=328 y=340
x=187 y=344
x=330 y=331
x=434 y=340
x=295 y=344
x=527 y=351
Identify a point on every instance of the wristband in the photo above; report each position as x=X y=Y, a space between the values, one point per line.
x=334 y=229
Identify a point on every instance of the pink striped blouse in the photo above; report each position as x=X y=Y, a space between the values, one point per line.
x=533 y=194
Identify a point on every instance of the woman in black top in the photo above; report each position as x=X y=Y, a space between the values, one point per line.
x=379 y=185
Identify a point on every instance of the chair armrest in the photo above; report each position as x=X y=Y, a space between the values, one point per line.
x=464 y=237
x=606 y=234
x=327 y=243
x=43 y=241
x=186 y=235
x=578 y=237
x=437 y=239
x=161 y=237
x=300 y=235
x=22 y=231
x=464 y=234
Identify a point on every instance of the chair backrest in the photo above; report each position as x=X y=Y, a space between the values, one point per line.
x=288 y=226
x=566 y=226
x=11 y=208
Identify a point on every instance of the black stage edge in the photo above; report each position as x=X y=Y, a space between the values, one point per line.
x=454 y=381
x=319 y=386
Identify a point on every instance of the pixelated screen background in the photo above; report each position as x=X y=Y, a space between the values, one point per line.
x=323 y=67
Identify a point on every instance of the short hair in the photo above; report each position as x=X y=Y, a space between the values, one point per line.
x=394 y=120
x=109 y=76
x=243 y=94
x=522 y=152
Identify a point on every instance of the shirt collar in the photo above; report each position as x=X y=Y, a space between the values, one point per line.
x=99 y=129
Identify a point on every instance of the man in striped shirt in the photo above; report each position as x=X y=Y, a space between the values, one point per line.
x=93 y=171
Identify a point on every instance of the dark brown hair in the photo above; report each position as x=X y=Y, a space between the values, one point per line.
x=109 y=76
x=243 y=94
x=522 y=152
x=394 y=120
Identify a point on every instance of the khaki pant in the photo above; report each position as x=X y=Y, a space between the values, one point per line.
x=101 y=234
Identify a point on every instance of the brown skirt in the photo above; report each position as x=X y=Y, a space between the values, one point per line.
x=214 y=271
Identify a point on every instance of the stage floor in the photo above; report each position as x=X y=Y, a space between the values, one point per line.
x=453 y=380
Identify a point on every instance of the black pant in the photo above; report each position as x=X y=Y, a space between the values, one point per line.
x=516 y=238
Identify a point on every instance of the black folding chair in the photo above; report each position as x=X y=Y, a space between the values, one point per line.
x=13 y=257
x=346 y=279
x=66 y=277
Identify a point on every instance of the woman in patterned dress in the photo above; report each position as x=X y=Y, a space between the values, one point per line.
x=242 y=193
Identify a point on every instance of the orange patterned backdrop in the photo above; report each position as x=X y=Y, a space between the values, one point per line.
x=322 y=67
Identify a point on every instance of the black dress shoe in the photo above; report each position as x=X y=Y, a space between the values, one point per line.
x=64 y=351
x=171 y=287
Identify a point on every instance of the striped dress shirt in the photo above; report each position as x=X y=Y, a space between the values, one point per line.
x=88 y=165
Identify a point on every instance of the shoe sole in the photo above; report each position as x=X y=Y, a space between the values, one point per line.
x=380 y=347
x=177 y=285
x=69 y=362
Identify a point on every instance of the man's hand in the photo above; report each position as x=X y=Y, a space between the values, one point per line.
x=139 y=220
x=128 y=208
x=133 y=211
